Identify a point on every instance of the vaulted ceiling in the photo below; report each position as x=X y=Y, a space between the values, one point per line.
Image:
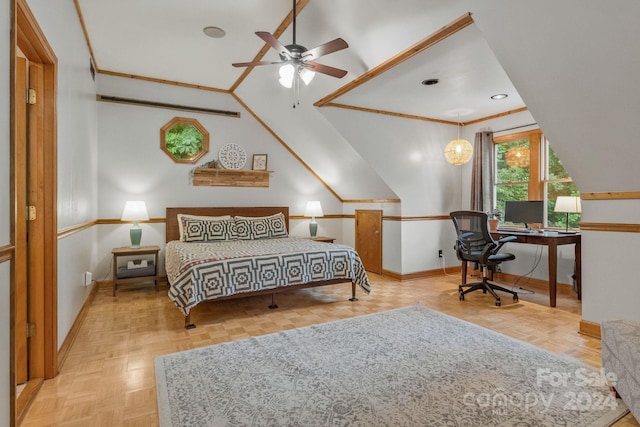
x=553 y=53
x=164 y=39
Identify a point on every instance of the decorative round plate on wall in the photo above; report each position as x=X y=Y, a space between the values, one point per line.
x=232 y=156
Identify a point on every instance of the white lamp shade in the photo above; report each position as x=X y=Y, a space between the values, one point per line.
x=135 y=211
x=313 y=209
x=568 y=204
x=287 y=72
x=307 y=75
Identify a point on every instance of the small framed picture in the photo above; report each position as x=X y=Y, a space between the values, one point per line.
x=259 y=162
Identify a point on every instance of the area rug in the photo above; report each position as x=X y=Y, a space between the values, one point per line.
x=405 y=367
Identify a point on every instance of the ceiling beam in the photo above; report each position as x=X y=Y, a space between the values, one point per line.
x=284 y=144
x=389 y=113
x=277 y=33
x=444 y=32
x=162 y=81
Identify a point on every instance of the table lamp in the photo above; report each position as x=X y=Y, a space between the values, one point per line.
x=313 y=210
x=135 y=211
x=568 y=204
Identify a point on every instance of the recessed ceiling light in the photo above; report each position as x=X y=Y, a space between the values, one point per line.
x=214 y=32
x=499 y=96
x=430 y=82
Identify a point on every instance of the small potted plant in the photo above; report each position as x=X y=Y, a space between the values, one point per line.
x=212 y=164
x=495 y=216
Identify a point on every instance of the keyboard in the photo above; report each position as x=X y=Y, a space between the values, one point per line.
x=516 y=230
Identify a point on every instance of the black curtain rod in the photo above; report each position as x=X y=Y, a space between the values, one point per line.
x=144 y=103
x=516 y=127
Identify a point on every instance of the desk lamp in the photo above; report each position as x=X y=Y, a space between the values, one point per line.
x=313 y=210
x=135 y=211
x=568 y=204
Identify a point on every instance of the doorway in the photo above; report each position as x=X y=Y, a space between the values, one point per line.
x=34 y=199
x=369 y=239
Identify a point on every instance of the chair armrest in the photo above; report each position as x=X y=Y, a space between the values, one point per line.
x=502 y=241
x=506 y=239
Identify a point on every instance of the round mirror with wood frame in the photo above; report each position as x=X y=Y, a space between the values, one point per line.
x=184 y=140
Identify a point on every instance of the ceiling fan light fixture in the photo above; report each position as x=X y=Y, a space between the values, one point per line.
x=307 y=75
x=286 y=75
x=298 y=62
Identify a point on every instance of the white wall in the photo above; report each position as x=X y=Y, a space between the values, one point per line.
x=577 y=77
x=77 y=154
x=5 y=209
x=132 y=165
x=610 y=285
x=408 y=155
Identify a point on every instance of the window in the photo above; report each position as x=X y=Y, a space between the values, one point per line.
x=184 y=140
x=528 y=169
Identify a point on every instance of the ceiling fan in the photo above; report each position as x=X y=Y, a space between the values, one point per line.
x=298 y=62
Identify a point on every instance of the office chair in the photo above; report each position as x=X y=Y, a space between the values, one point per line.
x=475 y=244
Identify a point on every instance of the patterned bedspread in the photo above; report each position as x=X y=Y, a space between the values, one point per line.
x=204 y=271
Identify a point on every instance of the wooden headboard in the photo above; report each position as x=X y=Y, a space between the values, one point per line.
x=173 y=232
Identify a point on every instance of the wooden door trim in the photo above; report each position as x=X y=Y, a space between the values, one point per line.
x=6 y=253
x=20 y=264
x=27 y=35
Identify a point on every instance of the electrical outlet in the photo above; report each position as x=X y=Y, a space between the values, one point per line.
x=439 y=253
x=87 y=278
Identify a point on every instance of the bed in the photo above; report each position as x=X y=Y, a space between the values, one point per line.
x=221 y=253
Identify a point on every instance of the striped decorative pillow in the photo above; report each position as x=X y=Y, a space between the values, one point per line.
x=263 y=227
x=206 y=229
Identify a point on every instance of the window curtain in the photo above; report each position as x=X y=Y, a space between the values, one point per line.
x=482 y=172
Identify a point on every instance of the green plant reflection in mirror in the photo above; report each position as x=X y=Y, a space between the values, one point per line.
x=184 y=140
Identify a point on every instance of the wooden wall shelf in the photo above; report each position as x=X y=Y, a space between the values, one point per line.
x=231 y=177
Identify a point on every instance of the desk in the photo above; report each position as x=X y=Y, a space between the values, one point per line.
x=552 y=240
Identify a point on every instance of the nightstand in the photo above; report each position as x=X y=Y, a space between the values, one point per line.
x=322 y=239
x=140 y=274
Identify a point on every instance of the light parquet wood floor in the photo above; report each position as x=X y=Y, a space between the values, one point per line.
x=108 y=378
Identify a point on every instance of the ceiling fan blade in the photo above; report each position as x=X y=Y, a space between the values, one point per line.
x=325 y=69
x=325 y=49
x=274 y=43
x=253 y=64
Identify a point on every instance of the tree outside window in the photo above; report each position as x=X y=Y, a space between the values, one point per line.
x=184 y=140
x=559 y=183
x=528 y=169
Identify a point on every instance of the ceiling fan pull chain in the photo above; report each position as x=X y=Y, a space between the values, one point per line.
x=296 y=88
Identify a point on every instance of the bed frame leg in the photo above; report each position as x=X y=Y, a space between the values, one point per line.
x=353 y=292
x=273 y=301
x=187 y=322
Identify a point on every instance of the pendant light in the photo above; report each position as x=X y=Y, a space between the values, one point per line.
x=517 y=157
x=459 y=151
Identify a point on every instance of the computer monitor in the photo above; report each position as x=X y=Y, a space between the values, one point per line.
x=527 y=212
